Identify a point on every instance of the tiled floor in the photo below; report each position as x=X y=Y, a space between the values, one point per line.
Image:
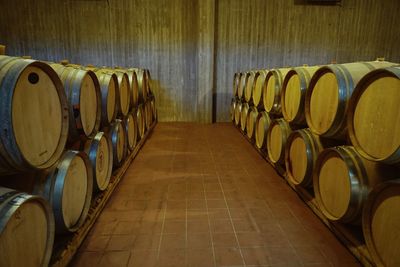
x=200 y=195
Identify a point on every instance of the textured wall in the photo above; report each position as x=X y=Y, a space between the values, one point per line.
x=193 y=47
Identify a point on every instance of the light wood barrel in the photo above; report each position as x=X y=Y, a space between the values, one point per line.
x=140 y=121
x=119 y=142
x=272 y=90
x=134 y=88
x=68 y=186
x=294 y=89
x=342 y=180
x=238 y=113
x=124 y=93
x=248 y=92
x=261 y=129
x=242 y=84
x=380 y=223
x=232 y=109
x=373 y=116
x=31 y=136
x=243 y=116
x=83 y=93
x=328 y=95
x=301 y=152
x=109 y=96
x=99 y=151
x=251 y=122
x=143 y=83
x=278 y=132
x=236 y=80
x=258 y=88
x=131 y=130
x=26 y=229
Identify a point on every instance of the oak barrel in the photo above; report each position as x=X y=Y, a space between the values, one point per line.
x=26 y=229
x=374 y=116
x=134 y=88
x=261 y=129
x=251 y=122
x=131 y=130
x=248 y=91
x=124 y=93
x=342 y=180
x=149 y=88
x=109 y=96
x=82 y=89
x=243 y=116
x=68 y=186
x=140 y=118
x=99 y=151
x=278 y=132
x=33 y=106
x=293 y=94
x=242 y=84
x=238 y=113
x=272 y=90
x=143 y=83
x=328 y=95
x=118 y=138
x=258 y=88
x=380 y=223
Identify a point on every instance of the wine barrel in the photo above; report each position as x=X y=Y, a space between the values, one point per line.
x=109 y=96
x=301 y=152
x=242 y=84
x=373 y=116
x=143 y=83
x=149 y=90
x=294 y=89
x=261 y=129
x=342 y=180
x=380 y=223
x=238 y=113
x=251 y=122
x=124 y=93
x=99 y=151
x=83 y=93
x=243 y=116
x=68 y=186
x=258 y=88
x=278 y=132
x=232 y=109
x=29 y=90
x=248 y=92
x=272 y=90
x=140 y=121
x=131 y=130
x=236 y=79
x=118 y=141
x=328 y=95
x=26 y=229
x=134 y=88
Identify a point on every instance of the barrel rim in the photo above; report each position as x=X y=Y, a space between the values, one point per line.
x=126 y=127
x=98 y=106
x=261 y=115
x=116 y=127
x=105 y=79
x=284 y=136
x=263 y=74
x=251 y=112
x=245 y=107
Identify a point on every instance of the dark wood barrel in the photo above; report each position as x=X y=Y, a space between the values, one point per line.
x=248 y=90
x=261 y=129
x=278 y=132
x=82 y=89
x=29 y=90
x=380 y=223
x=109 y=89
x=272 y=90
x=118 y=138
x=251 y=122
x=293 y=94
x=99 y=151
x=131 y=130
x=328 y=95
x=26 y=229
x=68 y=186
x=140 y=118
x=342 y=180
x=243 y=116
x=258 y=88
x=374 y=116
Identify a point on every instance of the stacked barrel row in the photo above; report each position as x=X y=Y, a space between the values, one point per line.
x=64 y=128
x=336 y=130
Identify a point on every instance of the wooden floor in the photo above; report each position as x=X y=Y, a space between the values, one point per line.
x=200 y=195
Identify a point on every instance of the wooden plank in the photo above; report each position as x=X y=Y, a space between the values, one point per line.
x=350 y=236
x=66 y=247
